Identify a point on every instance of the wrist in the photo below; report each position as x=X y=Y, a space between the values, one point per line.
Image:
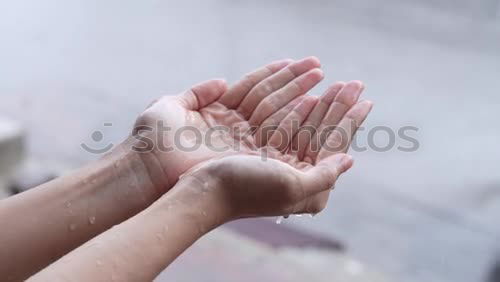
x=198 y=198
x=140 y=168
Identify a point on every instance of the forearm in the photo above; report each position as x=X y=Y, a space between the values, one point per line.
x=43 y=224
x=140 y=248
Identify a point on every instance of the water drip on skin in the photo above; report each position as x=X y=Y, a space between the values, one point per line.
x=68 y=204
x=92 y=220
x=72 y=227
x=159 y=236
x=280 y=219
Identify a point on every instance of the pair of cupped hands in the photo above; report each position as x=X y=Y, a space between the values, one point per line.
x=260 y=147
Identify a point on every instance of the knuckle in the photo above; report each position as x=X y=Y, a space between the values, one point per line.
x=269 y=105
x=265 y=87
x=249 y=81
x=296 y=87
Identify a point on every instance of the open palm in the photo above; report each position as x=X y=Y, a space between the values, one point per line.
x=301 y=168
x=210 y=121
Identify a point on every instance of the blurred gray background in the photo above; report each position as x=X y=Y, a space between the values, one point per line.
x=68 y=67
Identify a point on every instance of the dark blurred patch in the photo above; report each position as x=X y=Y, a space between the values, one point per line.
x=495 y=272
x=278 y=236
x=26 y=179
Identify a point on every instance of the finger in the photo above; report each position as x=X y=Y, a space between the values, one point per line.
x=203 y=94
x=282 y=136
x=340 y=139
x=275 y=82
x=322 y=178
x=236 y=93
x=278 y=99
x=344 y=100
x=306 y=132
x=271 y=123
x=323 y=175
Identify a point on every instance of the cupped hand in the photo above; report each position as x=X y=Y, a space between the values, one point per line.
x=248 y=186
x=211 y=121
x=301 y=163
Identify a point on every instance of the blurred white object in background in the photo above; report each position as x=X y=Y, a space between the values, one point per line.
x=11 y=151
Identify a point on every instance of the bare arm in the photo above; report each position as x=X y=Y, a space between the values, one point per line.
x=41 y=225
x=207 y=196
x=47 y=222
x=140 y=248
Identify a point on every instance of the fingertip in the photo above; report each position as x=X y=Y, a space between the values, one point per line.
x=218 y=83
x=358 y=83
x=319 y=72
x=370 y=103
x=367 y=103
x=346 y=163
x=350 y=93
x=314 y=60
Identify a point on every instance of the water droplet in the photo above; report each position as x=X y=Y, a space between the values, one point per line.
x=92 y=219
x=72 y=227
x=201 y=229
x=204 y=213
x=68 y=204
x=279 y=219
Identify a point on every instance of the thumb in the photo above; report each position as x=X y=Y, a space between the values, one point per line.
x=203 y=94
x=324 y=174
